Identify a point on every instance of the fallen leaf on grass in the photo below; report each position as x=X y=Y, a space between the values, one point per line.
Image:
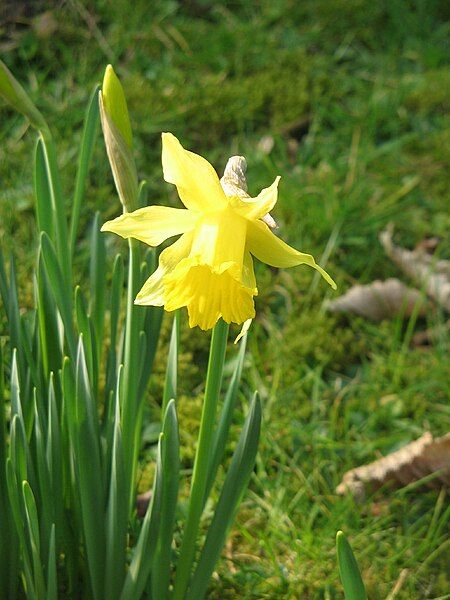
x=412 y=462
x=428 y=245
x=379 y=300
x=431 y=274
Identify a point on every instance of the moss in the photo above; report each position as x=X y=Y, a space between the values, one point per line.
x=225 y=105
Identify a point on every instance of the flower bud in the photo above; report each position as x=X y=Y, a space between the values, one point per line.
x=118 y=140
x=115 y=104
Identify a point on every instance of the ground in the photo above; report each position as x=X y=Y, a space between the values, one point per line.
x=348 y=102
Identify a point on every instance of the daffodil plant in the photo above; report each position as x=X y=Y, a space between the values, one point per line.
x=78 y=379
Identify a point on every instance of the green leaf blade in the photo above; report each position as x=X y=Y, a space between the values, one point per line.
x=348 y=570
x=171 y=469
x=91 y=122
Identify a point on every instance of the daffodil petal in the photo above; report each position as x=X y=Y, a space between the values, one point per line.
x=257 y=208
x=208 y=295
x=196 y=180
x=152 y=292
x=268 y=248
x=152 y=224
x=248 y=273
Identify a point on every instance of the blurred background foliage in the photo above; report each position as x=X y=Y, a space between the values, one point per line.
x=349 y=102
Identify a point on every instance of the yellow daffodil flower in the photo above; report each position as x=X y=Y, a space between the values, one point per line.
x=209 y=269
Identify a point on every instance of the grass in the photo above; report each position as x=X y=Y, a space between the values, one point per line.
x=353 y=95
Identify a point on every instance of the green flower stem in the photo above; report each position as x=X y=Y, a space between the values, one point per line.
x=202 y=457
x=131 y=415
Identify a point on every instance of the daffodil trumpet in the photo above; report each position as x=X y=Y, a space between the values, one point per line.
x=209 y=269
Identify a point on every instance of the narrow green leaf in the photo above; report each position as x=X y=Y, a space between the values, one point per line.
x=97 y=281
x=13 y=492
x=61 y=234
x=143 y=194
x=21 y=366
x=25 y=427
x=116 y=295
x=9 y=567
x=143 y=553
x=16 y=502
x=26 y=344
x=348 y=570
x=49 y=331
x=18 y=448
x=52 y=585
x=114 y=313
x=89 y=474
x=86 y=149
x=85 y=328
x=59 y=289
x=69 y=415
x=46 y=497
x=19 y=451
x=226 y=416
x=117 y=512
x=16 y=405
x=68 y=433
x=42 y=189
x=233 y=488
x=151 y=328
x=56 y=455
x=171 y=467
x=32 y=523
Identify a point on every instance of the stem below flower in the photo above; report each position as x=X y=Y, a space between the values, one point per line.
x=202 y=457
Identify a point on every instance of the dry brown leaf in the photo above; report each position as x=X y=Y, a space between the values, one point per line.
x=428 y=245
x=412 y=462
x=379 y=300
x=431 y=274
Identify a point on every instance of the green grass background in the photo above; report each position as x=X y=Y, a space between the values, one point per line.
x=355 y=95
